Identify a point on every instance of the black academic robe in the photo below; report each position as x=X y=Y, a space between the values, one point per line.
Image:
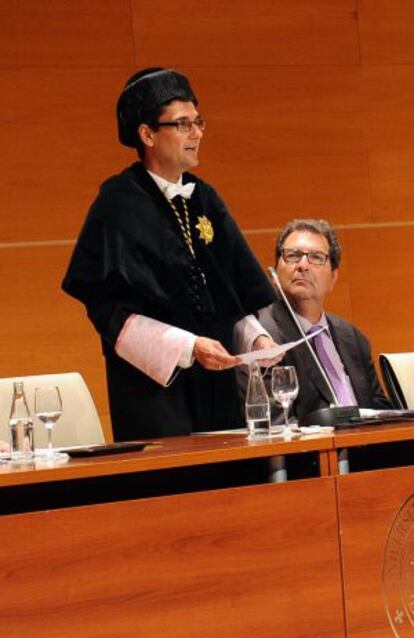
x=131 y=258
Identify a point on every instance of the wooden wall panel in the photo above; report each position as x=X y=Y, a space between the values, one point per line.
x=62 y=34
x=386 y=31
x=389 y=108
x=242 y=34
x=381 y=275
x=213 y=564
x=296 y=147
x=61 y=142
x=43 y=330
x=368 y=504
x=68 y=149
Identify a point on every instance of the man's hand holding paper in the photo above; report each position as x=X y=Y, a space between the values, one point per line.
x=274 y=353
x=261 y=345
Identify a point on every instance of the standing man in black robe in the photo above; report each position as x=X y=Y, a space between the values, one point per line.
x=165 y=273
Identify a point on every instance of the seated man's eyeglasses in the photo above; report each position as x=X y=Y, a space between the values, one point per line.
x=315 y=257
x=184 y=126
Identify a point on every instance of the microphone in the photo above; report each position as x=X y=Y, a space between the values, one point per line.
x=275 y=278
x=335 y=414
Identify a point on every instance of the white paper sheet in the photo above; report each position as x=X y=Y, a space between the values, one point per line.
x=271 y=353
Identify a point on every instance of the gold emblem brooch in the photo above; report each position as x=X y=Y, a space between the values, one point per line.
x=205 y=228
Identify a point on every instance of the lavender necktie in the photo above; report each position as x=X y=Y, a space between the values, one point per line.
x=340 y=389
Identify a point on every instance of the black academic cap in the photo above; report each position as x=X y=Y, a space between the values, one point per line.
x=145 y=92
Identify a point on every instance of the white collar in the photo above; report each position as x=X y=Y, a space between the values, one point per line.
x=306 y=324
x=163 y=184
x=172 y=189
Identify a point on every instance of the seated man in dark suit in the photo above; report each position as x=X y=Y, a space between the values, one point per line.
x=307 y=261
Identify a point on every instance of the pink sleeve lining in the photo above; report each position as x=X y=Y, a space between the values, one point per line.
x=152 y=346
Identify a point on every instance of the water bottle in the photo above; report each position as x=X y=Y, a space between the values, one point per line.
x=257 y=405
x=20 y=426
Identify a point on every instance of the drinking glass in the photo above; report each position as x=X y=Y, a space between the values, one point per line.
x=285 y=388
x=48 y=409
x=258 y=420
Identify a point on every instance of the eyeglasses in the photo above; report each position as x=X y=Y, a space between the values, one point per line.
x=185 y=126
x=315 y=257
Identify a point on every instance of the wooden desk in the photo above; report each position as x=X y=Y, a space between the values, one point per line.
x=167 y=543
x=258 y=559
x=173 y=452
x=368 y=502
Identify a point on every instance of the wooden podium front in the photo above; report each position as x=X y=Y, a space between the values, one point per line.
x=188 y=538
x=241 y=558
x=368 y=502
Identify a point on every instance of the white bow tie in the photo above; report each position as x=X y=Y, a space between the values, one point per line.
x=184 y=190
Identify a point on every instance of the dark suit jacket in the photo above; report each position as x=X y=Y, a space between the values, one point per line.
x=354 y=350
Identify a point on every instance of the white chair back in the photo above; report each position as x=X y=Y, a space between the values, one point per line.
x=79 y=423
x=397 y=370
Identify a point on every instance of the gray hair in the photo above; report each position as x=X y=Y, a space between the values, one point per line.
x=317 y=226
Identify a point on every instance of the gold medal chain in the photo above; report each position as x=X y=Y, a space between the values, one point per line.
x=184 y=225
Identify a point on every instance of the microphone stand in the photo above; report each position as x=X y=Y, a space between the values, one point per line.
x=335 y=414
x=275 y=278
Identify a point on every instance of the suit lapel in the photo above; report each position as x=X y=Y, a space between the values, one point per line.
x=344 y=339
x=343 y=343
